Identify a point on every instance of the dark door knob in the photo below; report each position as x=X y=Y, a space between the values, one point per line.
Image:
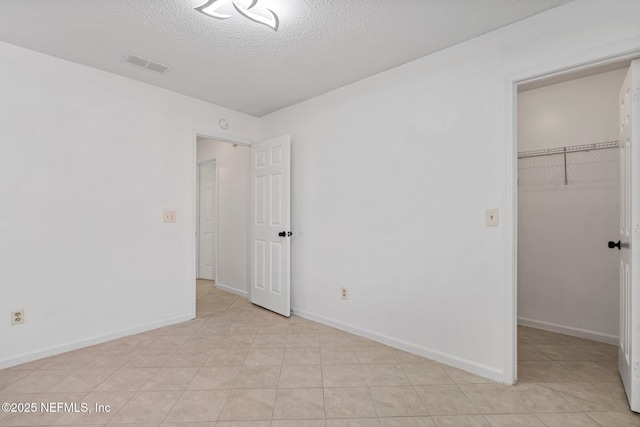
x=614 y=245
x=282 y=234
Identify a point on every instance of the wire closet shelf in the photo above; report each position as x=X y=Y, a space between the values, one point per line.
x=568 y=150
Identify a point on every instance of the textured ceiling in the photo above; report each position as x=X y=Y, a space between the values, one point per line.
x=321 y=44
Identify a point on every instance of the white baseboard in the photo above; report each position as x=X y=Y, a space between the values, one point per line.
x=569 y=330
x=75 y=345
x=232 y=290
x=445 y=358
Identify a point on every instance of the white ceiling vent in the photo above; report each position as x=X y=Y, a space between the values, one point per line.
x=149 y=64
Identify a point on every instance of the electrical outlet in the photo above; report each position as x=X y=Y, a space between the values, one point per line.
x=344 y=293
x=17 y=317
x=168 y=217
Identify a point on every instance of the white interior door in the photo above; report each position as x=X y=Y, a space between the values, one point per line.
x=270 y=216
x=628 y=351
x=207 y=222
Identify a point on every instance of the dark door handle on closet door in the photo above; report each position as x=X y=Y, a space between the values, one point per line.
x=613 y=244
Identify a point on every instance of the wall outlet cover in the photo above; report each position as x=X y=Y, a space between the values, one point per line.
x=17 y=317
x=491 y=218
x=169 y=216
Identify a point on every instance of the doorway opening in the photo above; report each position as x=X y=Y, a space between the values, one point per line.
x=568 y=208
x=589 y=63
x=222 y=224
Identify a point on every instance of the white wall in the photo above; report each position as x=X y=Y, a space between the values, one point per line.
x=567 y=277
x=233 y=210
x=88 y=161
x=391 y=176
x=576 y=112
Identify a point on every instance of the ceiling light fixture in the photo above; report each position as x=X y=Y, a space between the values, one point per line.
x=210 y=8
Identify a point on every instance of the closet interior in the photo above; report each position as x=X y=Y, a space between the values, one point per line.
x=568 y=207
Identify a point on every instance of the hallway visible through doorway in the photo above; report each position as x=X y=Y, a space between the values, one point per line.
x=211 y=300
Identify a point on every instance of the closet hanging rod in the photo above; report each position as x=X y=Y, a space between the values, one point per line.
x=569 y=149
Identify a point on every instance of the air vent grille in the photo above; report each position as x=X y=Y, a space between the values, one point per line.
x=146 y=63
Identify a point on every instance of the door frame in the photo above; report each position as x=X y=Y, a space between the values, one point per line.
x=215 y=226
x=193 y=168
x=602 y=56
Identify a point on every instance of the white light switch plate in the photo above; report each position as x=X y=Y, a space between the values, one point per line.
x=169 y=216
x=491 y=217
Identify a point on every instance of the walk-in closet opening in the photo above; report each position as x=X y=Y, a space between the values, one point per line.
x=568 y=211
x=222 y=224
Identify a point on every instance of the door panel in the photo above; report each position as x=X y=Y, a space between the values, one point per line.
x=206 y=221
x=276 y=268
x=628 y=354
x=270 y=197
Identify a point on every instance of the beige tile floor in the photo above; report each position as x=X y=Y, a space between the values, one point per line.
x=237 y=365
